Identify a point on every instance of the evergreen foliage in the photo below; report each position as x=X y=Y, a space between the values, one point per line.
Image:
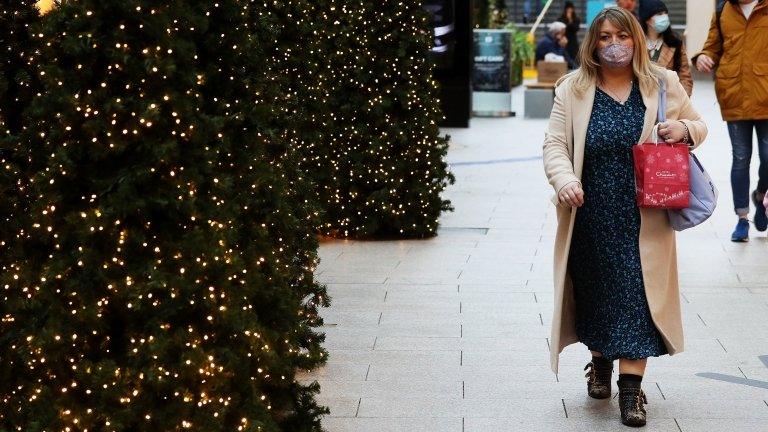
x=375 y=152
x=163 y=280
x=17 y=58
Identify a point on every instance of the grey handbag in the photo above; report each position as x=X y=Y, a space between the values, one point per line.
x=703 y=198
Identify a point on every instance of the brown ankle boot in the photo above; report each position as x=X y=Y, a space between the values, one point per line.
x=631 y=403
x=599 y=383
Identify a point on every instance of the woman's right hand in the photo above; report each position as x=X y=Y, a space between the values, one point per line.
x=704 y=63
x=572 y=194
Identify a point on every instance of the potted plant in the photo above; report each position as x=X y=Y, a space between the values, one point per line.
x=522 y=53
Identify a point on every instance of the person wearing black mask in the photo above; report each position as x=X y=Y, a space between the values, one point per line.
x=572 y=22
x=664 y=46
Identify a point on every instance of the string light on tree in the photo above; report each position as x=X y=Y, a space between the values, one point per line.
x=163 y=278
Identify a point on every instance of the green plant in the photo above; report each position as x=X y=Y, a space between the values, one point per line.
x=521 y=48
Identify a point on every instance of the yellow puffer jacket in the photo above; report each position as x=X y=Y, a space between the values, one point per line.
x=741 y=57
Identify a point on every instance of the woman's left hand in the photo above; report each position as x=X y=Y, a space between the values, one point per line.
x=672 y=131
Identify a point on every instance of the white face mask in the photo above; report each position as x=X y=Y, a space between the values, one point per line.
x=661 y=23
x=616 y=55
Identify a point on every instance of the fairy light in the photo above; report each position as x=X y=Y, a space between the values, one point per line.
x=161 y=277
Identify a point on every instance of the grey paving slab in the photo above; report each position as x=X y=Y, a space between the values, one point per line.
x=720 y=425
x=455 y=407
x=672 y=408
x=342 y=424
x=711 y=389
x=450 y=344
x=340 y=371
x=340 y=407
x=336 y=341
x=393 y=388
x=562 y=425
x=391 y=357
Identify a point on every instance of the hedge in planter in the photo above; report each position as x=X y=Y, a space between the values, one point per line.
x=165 y=279
x=378 y=162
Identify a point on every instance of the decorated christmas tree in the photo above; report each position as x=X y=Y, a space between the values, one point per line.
x=373 y=147
x=163 y=280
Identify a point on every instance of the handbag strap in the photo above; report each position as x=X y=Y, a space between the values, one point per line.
x=662 y=114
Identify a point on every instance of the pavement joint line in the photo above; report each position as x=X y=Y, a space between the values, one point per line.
x=685 y=298
x=721 y=345
x=359 y=401
x=678 y=425
x=386 y=293
x=373 y=347
x=462 y=390
x=660 y=391
x=564 y=408
x=380 y=314
x=461 y=363
x=742 y=372
x=366 y=373
x=702 y=320
x=535 y=299
x=541 y=319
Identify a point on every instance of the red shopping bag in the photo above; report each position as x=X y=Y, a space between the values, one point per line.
x=662 y=175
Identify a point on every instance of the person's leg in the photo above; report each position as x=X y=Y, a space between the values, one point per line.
x=631 y=396
x=600 y=374
x=761 y=127
x=741 y=144
x=632 y=367
x=761 y=219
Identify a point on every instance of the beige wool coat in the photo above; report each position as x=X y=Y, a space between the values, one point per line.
x=563 y=163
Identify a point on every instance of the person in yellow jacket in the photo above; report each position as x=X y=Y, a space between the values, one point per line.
x=737 y=48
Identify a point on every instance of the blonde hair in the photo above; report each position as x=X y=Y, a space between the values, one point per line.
x=645 y=70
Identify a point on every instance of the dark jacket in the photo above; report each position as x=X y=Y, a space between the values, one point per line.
x=572 y=33
x=549 y=45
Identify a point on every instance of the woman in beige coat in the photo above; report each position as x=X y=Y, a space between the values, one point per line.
x=615 y=269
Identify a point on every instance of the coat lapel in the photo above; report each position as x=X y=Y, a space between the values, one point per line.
x=666 y=55
x=651 y=101
x=582 y=112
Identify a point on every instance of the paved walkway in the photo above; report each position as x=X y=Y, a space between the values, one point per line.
x=451 y=334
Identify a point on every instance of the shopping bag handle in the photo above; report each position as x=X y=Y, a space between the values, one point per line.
x=662 y=112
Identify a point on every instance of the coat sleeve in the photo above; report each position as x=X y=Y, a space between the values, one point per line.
x=713 y=47
x=558 y=164
x=697 y=129
x=685 y=71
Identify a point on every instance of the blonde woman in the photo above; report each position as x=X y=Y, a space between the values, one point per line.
x=615 y=268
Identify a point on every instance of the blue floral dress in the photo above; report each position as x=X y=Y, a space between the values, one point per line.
x=612 y=314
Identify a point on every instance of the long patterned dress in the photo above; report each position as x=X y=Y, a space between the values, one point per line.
x=612 y=314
